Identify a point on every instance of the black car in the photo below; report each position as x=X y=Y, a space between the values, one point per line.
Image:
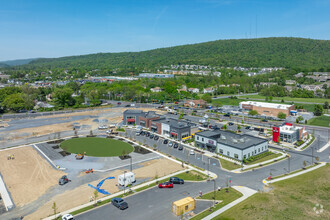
x=147 y=134
x=119 y=203
x=127 y=105
x=165 y=141
x=63 y=180
x=180 y=147
x=176 y=180
x=151 y=136
x=230 y=123
x=176 y=145
x=248 y=127
x=226 y=115
x=264 y=120
x=143 y=133
x=156 y=137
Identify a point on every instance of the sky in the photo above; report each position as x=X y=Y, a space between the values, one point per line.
x=55 y=28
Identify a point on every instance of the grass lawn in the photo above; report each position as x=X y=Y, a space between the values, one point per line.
x=229 y=165
x=288 y=99
x=228 y=101
x=320 y=121
x=192 y=175
x=293 y=198
x=97 y=147
x=226 y=197
x=268 y=157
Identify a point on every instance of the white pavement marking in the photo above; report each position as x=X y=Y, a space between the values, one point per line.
x=5 y=195
x=247 y=192
x=324 y=147
x=295 y=174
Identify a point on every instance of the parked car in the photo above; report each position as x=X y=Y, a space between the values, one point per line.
x=138 y=133
x=230 y=123
x=248 y=127
x=165 y=141
x=264 y=120
x=180 y=147
x=165 y=185
x=192 y=152
x=151 y=136
x=147 y=134
x=156 y=137
x=63 y=180
x=227 y=115
x=127 y=105
x=195 y=111
x=67 y=217
x=143 y=132
x=176 y=145
x=119 y=203
x=170 y=144
x=118 y=103
x=176 y=180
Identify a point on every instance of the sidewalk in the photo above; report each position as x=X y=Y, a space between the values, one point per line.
x=240 y=170
x=324 y=147
x=266 y=182
x=247 y=192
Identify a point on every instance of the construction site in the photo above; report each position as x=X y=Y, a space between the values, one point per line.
x=36 y=171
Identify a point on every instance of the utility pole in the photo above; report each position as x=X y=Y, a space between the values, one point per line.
x=289 y=163
x=214 y=193
x=131 y=162
x=312 y=155
x=208 y=168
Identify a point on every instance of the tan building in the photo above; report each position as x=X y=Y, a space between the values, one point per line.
x=267 y=109
x=195 y=103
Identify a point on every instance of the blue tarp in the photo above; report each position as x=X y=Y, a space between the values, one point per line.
x=100 y=184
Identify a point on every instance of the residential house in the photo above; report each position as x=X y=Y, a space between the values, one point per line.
x=193 y=90
x=208 y=90
x=156 y=89
x=290 y=82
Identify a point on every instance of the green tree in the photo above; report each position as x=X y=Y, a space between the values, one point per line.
x=63 y=97
x=253 y=113
x=318 y=110
x=14 y=102
x=270 y=98
x=54 y=207
x=96 y=195
x=207 y=97
x=225 y=127
x=326 y=104
x=281 y=115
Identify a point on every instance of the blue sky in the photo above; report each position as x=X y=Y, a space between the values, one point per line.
x=54 y=28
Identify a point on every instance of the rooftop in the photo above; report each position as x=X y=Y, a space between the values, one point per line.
x=239 y=141
x=133 y=111
x=266 y=104
x=173 y=122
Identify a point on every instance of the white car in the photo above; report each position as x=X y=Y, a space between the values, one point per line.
x=67 y=217
x=192 y=152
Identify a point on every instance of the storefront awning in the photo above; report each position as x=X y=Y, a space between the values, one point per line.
x=130 y=120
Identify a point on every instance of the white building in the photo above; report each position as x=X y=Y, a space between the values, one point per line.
x=237 y=146
x=156 y=89
x=193 y=90
x=208 y=90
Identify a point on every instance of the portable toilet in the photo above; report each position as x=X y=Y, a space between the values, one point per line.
x=183 y=206
x=126 y=179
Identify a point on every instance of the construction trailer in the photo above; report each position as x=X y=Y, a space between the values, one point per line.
x=183 y=206
x=126 y=179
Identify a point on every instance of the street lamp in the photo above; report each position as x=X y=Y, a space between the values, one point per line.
x=124 y=181
x=208 y=167
x=214 y=193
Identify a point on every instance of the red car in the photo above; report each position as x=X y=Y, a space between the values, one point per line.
x=165 y=185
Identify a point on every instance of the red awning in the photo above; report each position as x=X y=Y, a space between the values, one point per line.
x=174 y=134
x=130 y=120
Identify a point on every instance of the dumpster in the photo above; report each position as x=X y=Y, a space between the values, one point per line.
x=183 y=206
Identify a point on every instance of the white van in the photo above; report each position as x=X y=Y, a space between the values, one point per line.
x=192 y=152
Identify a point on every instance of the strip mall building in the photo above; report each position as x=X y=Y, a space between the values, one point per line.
x=267 y=109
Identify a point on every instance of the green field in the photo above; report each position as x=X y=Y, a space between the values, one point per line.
x=320 y=121
x=288 y=99
x=226 y=197
x=97 y=147
x=293 y=198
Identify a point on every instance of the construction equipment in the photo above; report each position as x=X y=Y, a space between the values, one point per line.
x=79 y=156
x=89 y=171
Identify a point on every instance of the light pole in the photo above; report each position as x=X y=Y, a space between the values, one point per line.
x=289 y=163
x=214 y=193
x=131 y=163
x=124 y=181
x=208 y=167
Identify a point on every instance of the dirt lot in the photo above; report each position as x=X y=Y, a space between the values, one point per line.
x=28 y=176
x=81 y=195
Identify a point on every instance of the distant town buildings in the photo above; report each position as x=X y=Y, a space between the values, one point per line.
x=155 y=75
x=195 y=103
x=156 y=89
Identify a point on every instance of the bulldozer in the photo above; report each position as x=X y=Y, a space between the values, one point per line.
x=79 y=156
x=89 y=171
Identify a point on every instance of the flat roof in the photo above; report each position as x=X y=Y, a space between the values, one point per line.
x=266 y=104
x=173 y=122
x=239 y=141
x=133 y=111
